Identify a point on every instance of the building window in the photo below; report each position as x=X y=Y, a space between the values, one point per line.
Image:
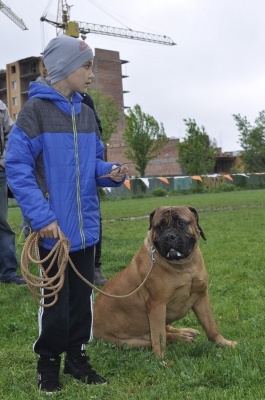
x=13 y=69
x=14 y=85
x=33 y=68
x=15 y=117
x=14 y=101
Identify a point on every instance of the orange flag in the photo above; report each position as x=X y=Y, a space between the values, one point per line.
x=228 y=177
x=163 y=180
x=127 y=183
x=197 y=178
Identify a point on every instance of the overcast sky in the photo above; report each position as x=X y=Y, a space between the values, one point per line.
x=216 y=69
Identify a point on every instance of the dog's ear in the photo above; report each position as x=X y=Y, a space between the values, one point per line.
x=194 y=212
x=151 y=219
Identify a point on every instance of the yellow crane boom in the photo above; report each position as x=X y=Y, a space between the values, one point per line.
x=10 y=14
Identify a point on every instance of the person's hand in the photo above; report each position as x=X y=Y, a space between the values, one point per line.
x=118 y=172
x=50 y=231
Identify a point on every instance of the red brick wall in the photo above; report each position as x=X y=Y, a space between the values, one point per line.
x=164 y=165
x=108 y=79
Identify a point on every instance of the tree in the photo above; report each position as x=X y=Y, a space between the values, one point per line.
x=144 y=138
x=252 y=140
x=108 y=113
x=196 y=153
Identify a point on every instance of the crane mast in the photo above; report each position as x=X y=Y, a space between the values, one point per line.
x=10 y=14
x=75 y=28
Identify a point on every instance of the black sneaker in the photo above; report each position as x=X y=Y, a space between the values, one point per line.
x=16 y=279
x=78 y=366
x=48 y=374
x=99 y=278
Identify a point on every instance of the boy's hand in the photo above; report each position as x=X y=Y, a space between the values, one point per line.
x=50 y=231
x=118 y=172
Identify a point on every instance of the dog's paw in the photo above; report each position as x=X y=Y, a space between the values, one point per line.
x=221 y=341
x=229 y=343
x=187 y=335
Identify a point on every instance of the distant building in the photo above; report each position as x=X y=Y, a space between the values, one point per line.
x=227 y=160
x=15 y=80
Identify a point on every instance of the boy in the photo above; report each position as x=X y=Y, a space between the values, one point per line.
x=54 y=160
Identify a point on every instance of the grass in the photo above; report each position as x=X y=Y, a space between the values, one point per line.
x=234 y=225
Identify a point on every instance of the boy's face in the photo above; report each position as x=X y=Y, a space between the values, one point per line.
x=80 y=79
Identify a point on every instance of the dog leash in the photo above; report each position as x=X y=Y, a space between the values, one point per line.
x=60 y=251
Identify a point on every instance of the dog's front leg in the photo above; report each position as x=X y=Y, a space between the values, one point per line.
x=157 y=322
x=203 y=311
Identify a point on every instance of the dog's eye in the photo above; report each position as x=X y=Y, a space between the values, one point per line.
x=181 y=224
x=159 y=227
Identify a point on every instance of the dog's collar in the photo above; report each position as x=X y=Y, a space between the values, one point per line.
x=152 y=253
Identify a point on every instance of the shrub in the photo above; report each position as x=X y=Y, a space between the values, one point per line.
x=159 y=192
x=226 y=187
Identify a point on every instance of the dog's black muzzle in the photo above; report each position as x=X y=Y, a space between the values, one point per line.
x=173 y=246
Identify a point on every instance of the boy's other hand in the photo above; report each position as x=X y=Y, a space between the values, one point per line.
x=49 y=231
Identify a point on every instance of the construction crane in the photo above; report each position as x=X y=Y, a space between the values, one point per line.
x=10 y=14
x=74 y=28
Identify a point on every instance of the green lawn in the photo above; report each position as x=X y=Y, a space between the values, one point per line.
x=234 y=225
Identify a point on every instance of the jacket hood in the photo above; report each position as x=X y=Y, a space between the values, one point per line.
x=42 y=90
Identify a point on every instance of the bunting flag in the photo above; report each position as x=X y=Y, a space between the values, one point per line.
x=145 y=181
x=197 y=178
x=163 y=180
x=228 y=177
x=127 y=183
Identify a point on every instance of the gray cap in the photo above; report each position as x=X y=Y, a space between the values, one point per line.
x=63 y=55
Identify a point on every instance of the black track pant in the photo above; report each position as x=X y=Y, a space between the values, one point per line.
x=67 y=325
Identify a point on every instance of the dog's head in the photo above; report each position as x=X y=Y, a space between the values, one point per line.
x=175 y=231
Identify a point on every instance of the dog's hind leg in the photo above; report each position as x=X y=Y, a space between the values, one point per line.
x=184 y=334
x=135 y=342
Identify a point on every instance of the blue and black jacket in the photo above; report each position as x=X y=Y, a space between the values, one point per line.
x=53 y=160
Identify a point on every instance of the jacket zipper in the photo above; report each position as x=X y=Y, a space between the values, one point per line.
x=78 y=197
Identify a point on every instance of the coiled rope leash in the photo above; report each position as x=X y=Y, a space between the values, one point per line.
x=60 y=253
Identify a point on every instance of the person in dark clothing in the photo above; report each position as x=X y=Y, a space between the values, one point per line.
x=99 y=278
x=8 y=257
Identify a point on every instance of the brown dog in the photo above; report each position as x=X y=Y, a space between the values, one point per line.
x=177 y=284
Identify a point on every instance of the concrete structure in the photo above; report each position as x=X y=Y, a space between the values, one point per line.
x=15 y=80
x=227 y=161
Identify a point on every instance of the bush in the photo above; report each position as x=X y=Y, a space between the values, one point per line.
x=198 y=188
x=226 y=187
x=159 y=192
